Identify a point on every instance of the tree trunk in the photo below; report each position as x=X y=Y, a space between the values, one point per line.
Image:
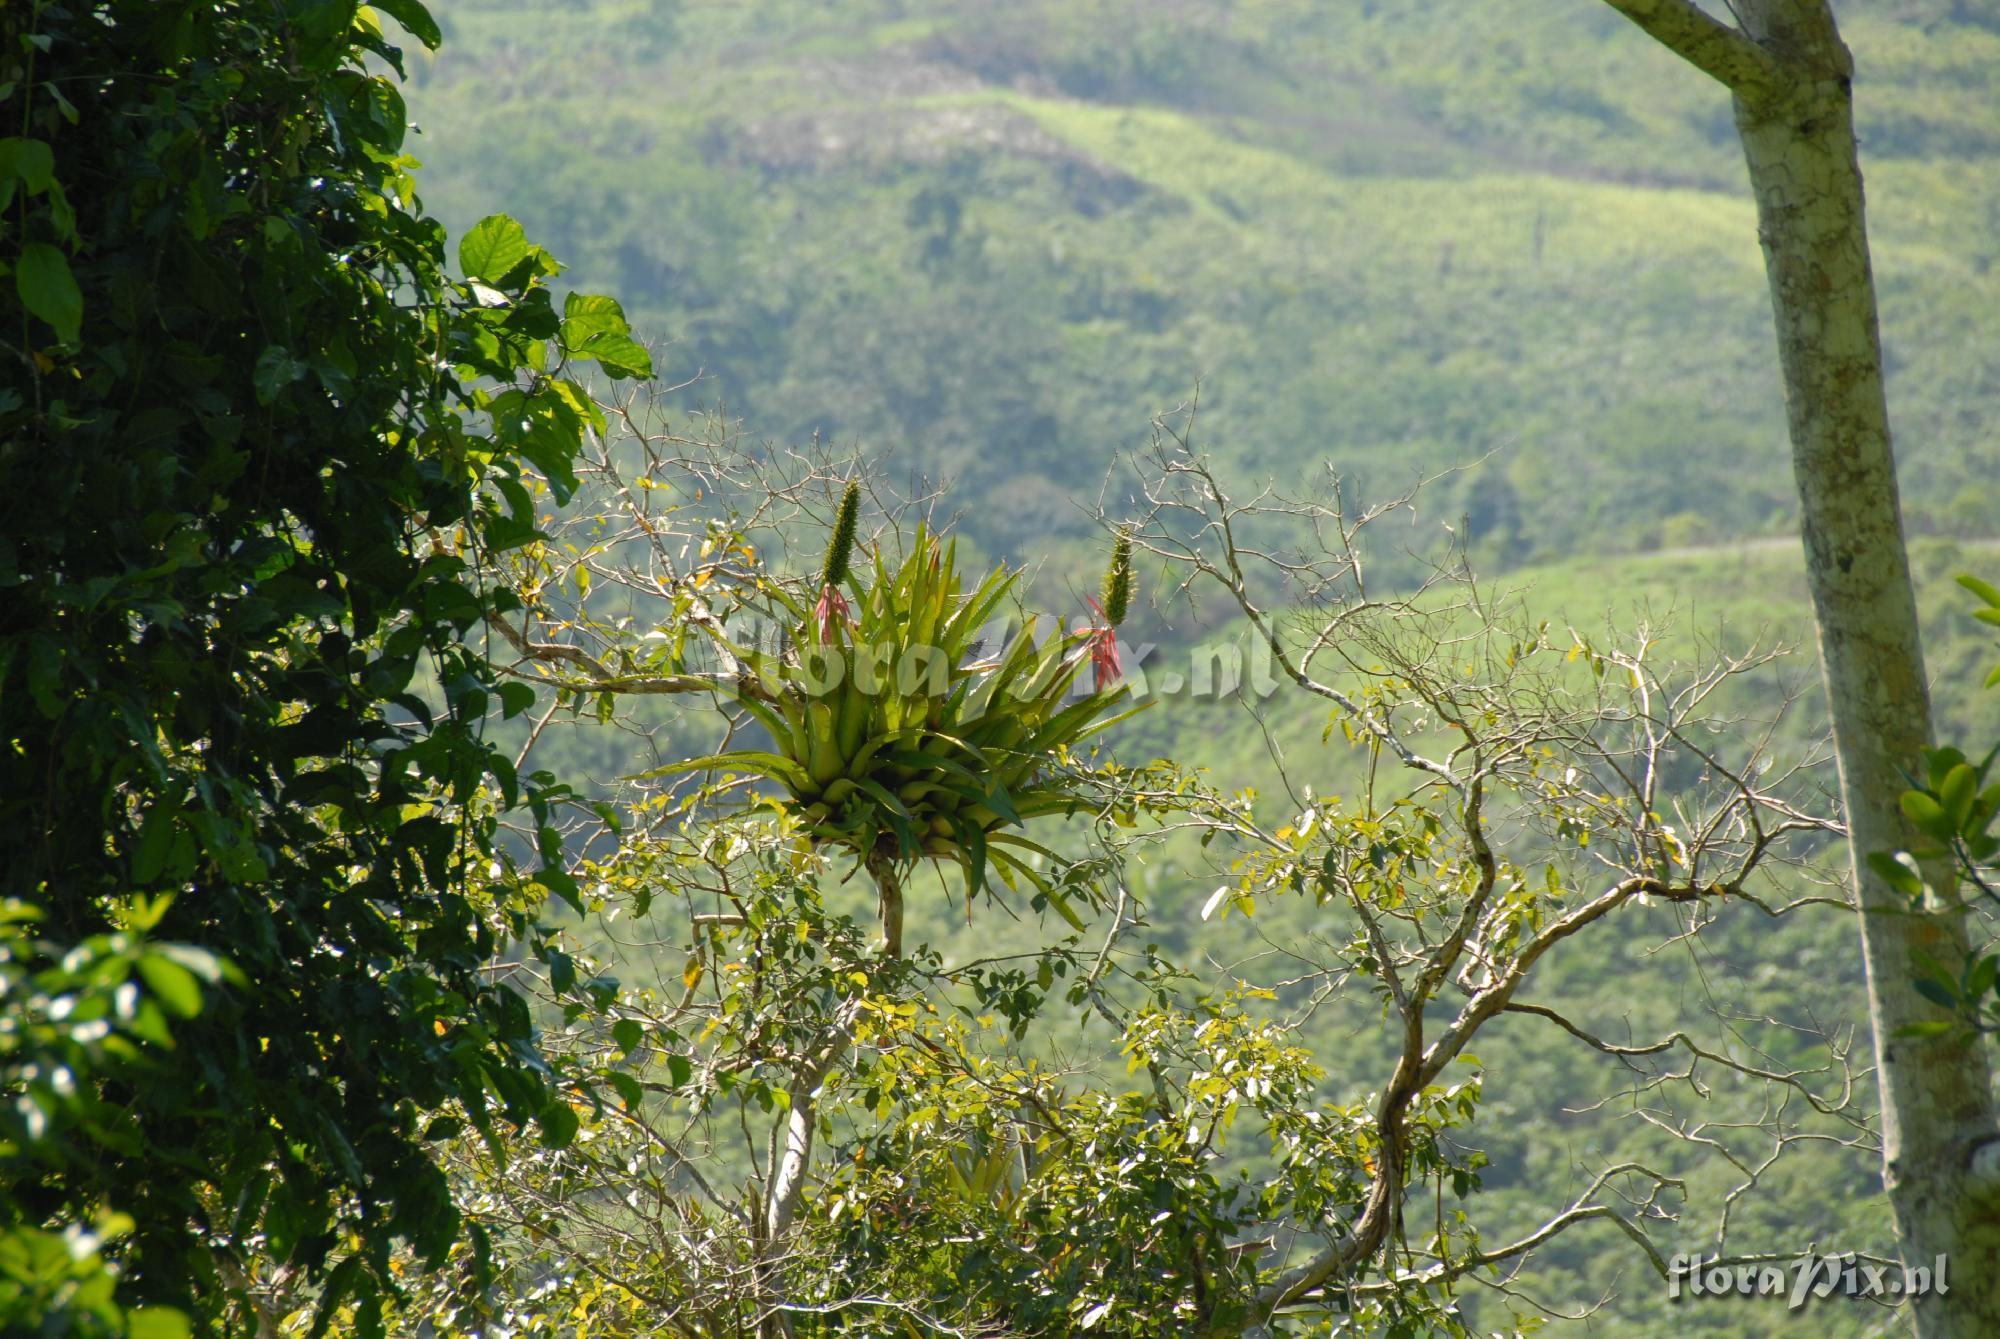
x=792 y=1139
x=1937 y=1106
x=1790 y=74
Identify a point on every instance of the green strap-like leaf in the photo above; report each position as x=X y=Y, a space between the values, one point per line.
x=755 y=761
x=972 y=842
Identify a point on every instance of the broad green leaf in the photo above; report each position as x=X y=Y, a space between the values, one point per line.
x=48 y=290
x=586 y=315
x=1894 y=871
x=628 y=1033
x=1981 y=976
x=1939 y=762
x=14 y=911
x=1983 y=590
x=1937 y=993
x=559 y=1124
x=495 y=246
x=205 y=965
x=172 y=983
x=415 y=17
x=27 y=161
x=1956 y=794
x=275 y=370
x=619 y=355
x=1928 y=815
x=156 y=839
x=559 y=882
x=579 y=403
x=629 y=1091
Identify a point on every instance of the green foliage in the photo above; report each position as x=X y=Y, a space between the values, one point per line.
x=1953 y=807
x=253 y=439
x=989 y=241
x=76 y=1011
x=1084 y=1211
x=899 y=743
x=1008 y=1130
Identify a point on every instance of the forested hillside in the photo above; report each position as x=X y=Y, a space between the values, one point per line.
x=989 y=241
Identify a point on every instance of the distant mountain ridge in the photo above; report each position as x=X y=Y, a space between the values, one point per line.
x=989 y=241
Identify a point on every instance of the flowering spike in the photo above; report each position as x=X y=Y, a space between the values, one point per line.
x=834 y=570
x=1117 y=599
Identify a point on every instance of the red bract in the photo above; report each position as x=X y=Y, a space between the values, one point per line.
x=832 y=606
x=1102 y=641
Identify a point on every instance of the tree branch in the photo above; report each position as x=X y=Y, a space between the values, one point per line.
x=1420 y=1065
x=792 y=1153
x=600 y=679
x=1715 y=48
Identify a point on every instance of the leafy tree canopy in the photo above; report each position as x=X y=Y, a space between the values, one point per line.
x=254 y=432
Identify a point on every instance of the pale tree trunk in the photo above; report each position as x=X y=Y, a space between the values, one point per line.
x=790 y=1157
x=1789 y=73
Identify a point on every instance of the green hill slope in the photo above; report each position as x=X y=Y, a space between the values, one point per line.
x=988 y=242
